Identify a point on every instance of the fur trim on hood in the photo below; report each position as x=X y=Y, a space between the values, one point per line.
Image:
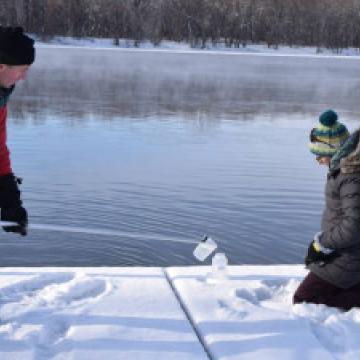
x=347 y=158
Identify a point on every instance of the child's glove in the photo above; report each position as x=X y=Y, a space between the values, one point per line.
x=319 y=254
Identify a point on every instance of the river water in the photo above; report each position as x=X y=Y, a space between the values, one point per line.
x=171 y=145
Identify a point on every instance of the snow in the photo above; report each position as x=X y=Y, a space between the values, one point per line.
x=99 y=313
x=183 y=47
x=154 y=313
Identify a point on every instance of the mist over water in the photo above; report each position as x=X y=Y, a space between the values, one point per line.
x=169 y=144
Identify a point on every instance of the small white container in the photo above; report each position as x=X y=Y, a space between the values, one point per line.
x=205 y=248
x=219 y=266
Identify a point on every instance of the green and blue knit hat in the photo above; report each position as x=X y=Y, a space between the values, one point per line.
x=327 y=137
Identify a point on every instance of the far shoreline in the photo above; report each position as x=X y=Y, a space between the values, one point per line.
x=185 y=48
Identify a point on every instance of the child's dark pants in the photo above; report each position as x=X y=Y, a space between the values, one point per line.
x=317 y=291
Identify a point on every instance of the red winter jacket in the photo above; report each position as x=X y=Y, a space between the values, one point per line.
x=5 y=164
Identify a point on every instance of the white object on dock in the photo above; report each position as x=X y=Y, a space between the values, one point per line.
x=219 y=271
x=205 y=248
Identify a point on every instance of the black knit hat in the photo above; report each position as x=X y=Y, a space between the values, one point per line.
x=16 y=48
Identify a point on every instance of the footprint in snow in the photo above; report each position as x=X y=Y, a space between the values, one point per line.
x=51 y=334
x=27 y=288
x=83 y=290
x=254 y=295
x=232 y=308
x=276 y=283
x=331 y=334
x=337 y=331
x=54 y=293
x=267 y=290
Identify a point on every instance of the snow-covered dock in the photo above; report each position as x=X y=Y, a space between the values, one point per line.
x=172 y=313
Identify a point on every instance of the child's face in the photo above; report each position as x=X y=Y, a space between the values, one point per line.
x=11 y=74
x=323 y=160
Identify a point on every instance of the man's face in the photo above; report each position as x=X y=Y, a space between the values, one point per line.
x=11 y=74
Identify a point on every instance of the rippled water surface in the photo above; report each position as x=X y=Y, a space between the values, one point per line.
x=171 y=145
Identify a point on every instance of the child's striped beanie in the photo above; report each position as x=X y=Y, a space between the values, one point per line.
x=327 y=137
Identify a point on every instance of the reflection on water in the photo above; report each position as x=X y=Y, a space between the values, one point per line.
x=171 y=144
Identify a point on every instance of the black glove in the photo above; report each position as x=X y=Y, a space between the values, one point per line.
x=315 y=255
x=11 y=204
x=18 y=215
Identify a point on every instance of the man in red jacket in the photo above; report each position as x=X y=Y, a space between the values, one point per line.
x=17 y=53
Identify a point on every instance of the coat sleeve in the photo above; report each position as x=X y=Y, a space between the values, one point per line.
x=5 y=164
x=346 y=233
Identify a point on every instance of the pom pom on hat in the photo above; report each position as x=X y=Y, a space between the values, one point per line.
x=328 y=118
x=16 y=48
x=327 y=137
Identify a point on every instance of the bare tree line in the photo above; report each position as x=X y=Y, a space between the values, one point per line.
x=331 y=24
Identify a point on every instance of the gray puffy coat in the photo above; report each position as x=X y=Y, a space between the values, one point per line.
x=341 y=217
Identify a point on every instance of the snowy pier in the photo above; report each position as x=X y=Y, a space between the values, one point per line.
x=171 y=313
